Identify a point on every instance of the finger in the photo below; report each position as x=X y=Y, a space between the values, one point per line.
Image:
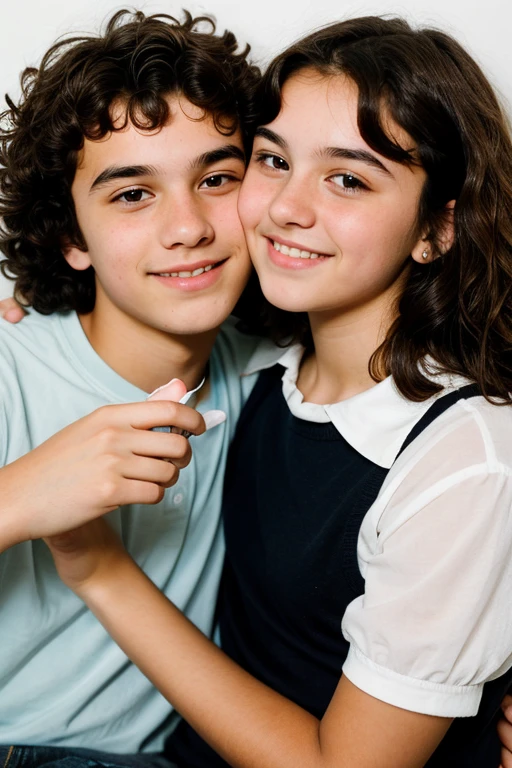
x=14 y=315
x=151 y=414
x=11 y=311
x=140 y=492
x=167 y=413
x=174 y=391
x=505 y=734
x=164 y=473
x=158 y=445
x=505 y=704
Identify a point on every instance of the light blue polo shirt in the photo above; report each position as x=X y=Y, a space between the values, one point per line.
x=63 y=681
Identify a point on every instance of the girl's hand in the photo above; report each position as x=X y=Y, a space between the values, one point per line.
x=88 y=553
x=11 y=311
x=505 y=733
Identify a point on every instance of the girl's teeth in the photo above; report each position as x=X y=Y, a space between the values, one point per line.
x=295 y=253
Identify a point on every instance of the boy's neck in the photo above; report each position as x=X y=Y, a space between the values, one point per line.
x=146 y=357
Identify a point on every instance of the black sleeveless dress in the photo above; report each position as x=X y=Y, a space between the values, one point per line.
x=295 y=496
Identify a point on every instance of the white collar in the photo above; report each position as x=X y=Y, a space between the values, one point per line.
x=375 y=422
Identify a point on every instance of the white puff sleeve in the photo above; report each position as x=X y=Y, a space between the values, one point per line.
x=435 y=549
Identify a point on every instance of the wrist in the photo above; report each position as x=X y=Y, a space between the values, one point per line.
x=108 y=586
x=15 y=509
x=12 y=530
x=90 y=558
x=9 y=533
x=108 y=579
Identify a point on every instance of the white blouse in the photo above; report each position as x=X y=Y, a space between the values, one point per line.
x=435 y=549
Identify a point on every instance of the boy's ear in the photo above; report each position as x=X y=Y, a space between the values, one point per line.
x=76 y=258
x=425 y=251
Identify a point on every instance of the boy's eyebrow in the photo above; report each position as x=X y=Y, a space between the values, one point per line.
x=122 y=172
x=339 y=153
x=228 y=152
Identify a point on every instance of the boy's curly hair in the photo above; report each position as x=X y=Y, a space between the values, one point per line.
x=138 y=60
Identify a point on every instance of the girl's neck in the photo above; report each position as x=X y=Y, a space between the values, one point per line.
x=338 y=366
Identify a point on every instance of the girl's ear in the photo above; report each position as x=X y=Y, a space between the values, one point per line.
x=76 y=258
x=425 y=251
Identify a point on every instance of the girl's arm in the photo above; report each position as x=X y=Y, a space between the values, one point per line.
x=246 y=722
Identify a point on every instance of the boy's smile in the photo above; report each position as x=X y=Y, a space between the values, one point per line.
x=158 y=212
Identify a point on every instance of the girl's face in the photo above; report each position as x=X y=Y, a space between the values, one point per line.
x=330 y=223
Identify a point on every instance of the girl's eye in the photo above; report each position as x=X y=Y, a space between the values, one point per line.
x=216 y=180
x=133 y=196
x=272 y=161
x=348 y=182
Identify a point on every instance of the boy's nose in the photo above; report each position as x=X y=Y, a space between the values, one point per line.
x=185 y=224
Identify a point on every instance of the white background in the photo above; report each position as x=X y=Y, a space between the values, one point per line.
x=28 y=27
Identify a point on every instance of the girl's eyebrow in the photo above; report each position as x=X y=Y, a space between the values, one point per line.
x=339 y=153
x=266 y=133
x=361 y=155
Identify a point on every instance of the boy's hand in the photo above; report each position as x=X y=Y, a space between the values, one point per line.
x=104 y=460
x=11 y=311
x=505 y=732
x=92 y=551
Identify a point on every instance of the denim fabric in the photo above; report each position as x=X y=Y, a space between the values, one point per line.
x=68 y=757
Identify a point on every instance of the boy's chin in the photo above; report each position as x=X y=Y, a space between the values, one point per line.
x=200 y=323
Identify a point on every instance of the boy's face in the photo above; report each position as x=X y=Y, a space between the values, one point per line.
x=158 y=211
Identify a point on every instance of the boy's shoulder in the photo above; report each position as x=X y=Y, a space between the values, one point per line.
x=32 y=328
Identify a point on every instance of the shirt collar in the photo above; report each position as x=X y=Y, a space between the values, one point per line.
x=375 y=422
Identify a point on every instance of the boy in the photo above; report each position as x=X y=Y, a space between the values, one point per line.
x=118 y=192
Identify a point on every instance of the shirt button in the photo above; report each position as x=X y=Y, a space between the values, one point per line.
x=178 y=498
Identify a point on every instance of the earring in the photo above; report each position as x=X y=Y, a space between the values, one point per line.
x=424 y=255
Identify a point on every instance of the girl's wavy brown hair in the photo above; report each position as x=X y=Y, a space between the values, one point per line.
x=456 y=309
x=138 y=61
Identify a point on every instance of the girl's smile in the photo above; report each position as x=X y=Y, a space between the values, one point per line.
x=331 y=224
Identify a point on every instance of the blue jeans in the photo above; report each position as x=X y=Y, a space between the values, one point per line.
x=69 y=757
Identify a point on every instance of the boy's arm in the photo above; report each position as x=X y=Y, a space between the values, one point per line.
x=102 y=461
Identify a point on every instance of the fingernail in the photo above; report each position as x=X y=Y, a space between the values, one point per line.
x=173 y=390
x=214 y=418
x=13 y=315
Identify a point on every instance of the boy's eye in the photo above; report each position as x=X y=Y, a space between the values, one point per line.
x=216 y=180
x=348 y=181
x=133 y=196
x=272 y=161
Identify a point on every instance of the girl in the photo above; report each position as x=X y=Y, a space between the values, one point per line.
x=371 y=478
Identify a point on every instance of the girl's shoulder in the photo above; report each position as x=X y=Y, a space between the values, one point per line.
x=471 y=432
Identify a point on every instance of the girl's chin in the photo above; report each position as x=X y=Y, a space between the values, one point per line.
x=286 y=301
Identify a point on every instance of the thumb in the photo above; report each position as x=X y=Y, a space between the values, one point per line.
x=174 y=391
